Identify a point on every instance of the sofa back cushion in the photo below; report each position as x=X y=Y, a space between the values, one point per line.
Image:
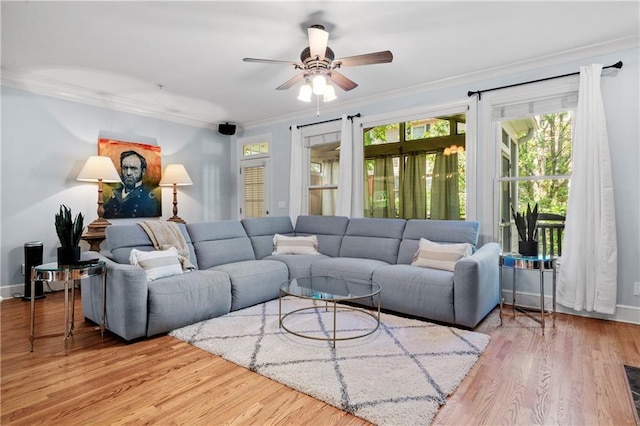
x=218 y=243
x=262 y=229
x=120 y=239
x=329 y=229
x=373 y=238
x=438 y=231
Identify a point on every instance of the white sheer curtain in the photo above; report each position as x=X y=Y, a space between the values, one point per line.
x=345 y=183
x=295 y=175
x=588 y=275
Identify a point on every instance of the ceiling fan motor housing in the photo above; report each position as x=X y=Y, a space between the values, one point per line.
x=311 y=62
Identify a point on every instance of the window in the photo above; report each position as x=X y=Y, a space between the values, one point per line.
x=535 y=165
x=416 y=169
x=323 y=173
x=253 y=188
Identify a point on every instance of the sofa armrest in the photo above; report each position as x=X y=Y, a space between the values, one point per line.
x=476 y=285
x=126 y=304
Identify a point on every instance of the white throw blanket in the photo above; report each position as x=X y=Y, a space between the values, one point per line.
x=167 y=234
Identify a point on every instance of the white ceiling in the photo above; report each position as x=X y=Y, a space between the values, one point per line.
x=183 y=60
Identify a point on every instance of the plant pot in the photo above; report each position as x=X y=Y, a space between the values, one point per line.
x=68 y=255
x=528 y=248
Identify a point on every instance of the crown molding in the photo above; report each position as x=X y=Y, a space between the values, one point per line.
x=41 y=85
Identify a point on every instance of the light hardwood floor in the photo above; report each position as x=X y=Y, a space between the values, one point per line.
x=573 y=375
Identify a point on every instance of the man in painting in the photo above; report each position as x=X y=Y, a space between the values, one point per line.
x=132 y=198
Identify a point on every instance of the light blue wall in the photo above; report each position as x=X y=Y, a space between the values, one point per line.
x=45 y=142
x=621 y=94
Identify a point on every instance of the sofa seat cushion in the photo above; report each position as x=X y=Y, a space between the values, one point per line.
x=188 y=298
x=254 y=281
x=423 y=292
x=299 y=265
x=347 y=267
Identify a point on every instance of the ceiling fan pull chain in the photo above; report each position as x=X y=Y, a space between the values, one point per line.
x=317 y=106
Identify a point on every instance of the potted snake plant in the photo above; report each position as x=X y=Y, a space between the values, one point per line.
x=527 y=226
x=69 y=231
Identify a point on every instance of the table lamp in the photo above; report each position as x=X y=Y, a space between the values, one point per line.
x=175 y=175
x=99 y=169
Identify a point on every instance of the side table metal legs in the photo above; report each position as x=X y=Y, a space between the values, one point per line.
x=32 y=327
x=543 y=264
x=68 y=274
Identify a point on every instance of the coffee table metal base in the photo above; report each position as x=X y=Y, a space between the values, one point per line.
x=334 y=337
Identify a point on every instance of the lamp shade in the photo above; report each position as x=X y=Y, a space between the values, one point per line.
x=99 y=168
x=175 y=174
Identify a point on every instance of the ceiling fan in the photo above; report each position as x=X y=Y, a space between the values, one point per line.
x=318 y=64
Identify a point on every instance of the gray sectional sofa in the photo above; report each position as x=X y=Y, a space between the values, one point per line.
x=235 y=268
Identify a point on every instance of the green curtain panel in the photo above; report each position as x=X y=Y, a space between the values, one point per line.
x=414 y=187
x=444 y=188
x=384 y=199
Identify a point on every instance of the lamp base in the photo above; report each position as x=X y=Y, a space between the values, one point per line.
x=98 y=226
x=176 y=219
x=95 y=233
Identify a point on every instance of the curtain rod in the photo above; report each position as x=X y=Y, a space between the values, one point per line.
x=350 y=117
x=617 y=65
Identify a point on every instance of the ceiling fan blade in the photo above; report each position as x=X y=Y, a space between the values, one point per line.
x=382 y=57
x=272 y=61
x=287 y=84
x=342 y=82
x=318 y=39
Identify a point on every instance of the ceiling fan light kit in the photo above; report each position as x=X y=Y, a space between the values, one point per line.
x=318 y=67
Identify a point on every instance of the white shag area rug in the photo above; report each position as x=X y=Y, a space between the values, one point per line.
x=399 y=375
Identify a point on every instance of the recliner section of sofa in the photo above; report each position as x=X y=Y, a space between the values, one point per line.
x=235 y=269
x=136 y=307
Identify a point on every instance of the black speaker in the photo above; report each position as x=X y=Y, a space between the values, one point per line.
x=227 y=129
x=32 y=257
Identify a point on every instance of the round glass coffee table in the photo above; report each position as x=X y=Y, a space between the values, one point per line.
x=334 y=290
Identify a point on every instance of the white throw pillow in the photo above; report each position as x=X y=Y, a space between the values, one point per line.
x=440 y=256
x=157 y=264
x=283 y=244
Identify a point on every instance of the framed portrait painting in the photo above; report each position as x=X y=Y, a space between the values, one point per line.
x=137 y=194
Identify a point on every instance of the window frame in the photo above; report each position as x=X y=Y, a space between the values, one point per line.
x=253 y=161
x=492 y=135
x=313 y=135
x=467 y=106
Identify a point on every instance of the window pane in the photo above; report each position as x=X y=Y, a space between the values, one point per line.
x=255 y=149
x=427 y=128
x=389 y=133
x=550 y=200
x=322 y=202
x=538 y=146
x=325 y=164
x=548 y=151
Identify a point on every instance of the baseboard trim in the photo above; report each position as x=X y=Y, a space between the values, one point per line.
x=624 y=313
x=11 y=291
x=15 y=291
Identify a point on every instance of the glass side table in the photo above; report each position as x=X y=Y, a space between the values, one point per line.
x=68 y=274
x=540 y=263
